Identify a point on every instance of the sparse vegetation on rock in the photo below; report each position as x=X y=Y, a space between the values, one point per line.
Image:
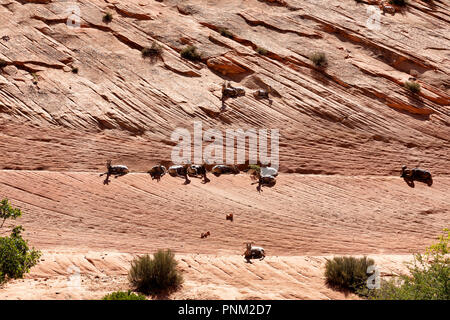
x=191 y=53
x=3 y=63
x=348 y=274
x=412 y=86
x=75 y=70
x=155 y=275
x=428 y=278
x=108 y=17
x=124 y=295
x=225 y=32
x=152 y=52
x=16 y=258
x=261 y=51
x=319 y=59
x=399 y=3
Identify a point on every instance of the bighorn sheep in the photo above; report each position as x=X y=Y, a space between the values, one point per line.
x=264 y=176
x=229 y=217
x=416 y=174
x=253 y=252
x=205 y=235
x=157 y=172
x=386 y=7
x=179 y=171
x=116 y=171
x=198 y=171
x=224 y=169
x=263 y=94
x=228 y=91
x=265 y=181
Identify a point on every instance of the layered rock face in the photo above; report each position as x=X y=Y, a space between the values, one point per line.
x=75 y=92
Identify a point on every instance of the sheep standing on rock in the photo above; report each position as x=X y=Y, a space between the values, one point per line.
x=229 y=91
x=180 y=171
x=157 y=172
x=205 y=234
x=198 y=171
x=253 y=252
x=416 y=174
x=263 y=94
x=220 y=169
x=116 y=171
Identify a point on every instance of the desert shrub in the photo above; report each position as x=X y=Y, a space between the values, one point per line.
x=153 y=276
x=428 y=278
x=261 y=51
x=412 y=86
x=16 y=258
x=226 y=33
x=3 y=63
x=124 y=295
x=107 y=18
x=400 y=3
x=254 y=167
x=319 y=59
x=154 y=51
x=191 y=53
x=8 y=212
x=347 y=273
x=75 y=70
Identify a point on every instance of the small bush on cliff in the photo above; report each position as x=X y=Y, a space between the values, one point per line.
x=319 y=59
x=124 y=295
x=412 y=86
x=428 y=278
x=191 y=53
x=153 y=276
x=348 y=274
x=107 y=18
x=153 y=52
x=3 y=63
x=399 y=3
x=261 y=51
x=225 y=33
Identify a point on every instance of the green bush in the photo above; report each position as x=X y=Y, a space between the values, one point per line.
x=124 y=295
x=261 y=51
x=16 y=258
x=107 y=18
x=153 y=276
x=428 y=278
x=348 y=274
x=154 y=51
x=225 y=33
x=412 y=86
x=319 y=59
x=191 y=53
x=254 y=167
x=8 y=212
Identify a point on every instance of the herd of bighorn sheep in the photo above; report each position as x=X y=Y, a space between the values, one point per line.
x=262 y=176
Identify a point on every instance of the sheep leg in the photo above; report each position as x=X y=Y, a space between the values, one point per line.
x=187 y=181
x=106 y=181
x=205 y=179
x=409 y=182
